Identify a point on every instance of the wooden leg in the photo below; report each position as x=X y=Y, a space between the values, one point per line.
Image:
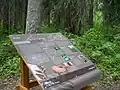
x=33 y=83
x=87 y=88
x=20 y=87
x=17 y=87
x=24 y=75
x=24 y=84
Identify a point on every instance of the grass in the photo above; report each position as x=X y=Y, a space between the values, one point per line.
x=101 y=48
x=8 y=59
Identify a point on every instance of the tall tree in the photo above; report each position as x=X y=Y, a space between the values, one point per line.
x=112 y=11
x=6 y=16
x=33 y=16
x=74 y=15
x=24 y=13
x=11 y=14
x=1 y=10
x=20 y=14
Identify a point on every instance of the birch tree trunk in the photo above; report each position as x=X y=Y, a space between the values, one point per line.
x=33 y=16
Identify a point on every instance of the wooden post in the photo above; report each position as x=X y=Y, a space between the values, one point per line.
x=87 y=88
x=20 y=87
x=24 y=74
x=25 y=84
x=17 y=87
x=33 y=83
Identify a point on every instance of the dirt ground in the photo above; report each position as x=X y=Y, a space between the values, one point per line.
x=10 y=83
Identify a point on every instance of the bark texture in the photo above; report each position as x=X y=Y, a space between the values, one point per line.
x=33 y=16
x=13 y=16
x=74 y=16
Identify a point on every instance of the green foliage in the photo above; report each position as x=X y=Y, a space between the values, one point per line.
x=51 y=28
x=101 y=49
x=8 y=59
x=73 y=15
x=117 y=56
x=98 y=19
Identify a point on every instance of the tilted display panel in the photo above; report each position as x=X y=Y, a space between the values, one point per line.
x=54 y=60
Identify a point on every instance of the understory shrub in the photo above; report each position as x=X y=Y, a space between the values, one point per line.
x=8 y=59
x=101 y=49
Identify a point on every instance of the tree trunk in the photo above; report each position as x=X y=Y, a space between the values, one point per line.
x=6 y=16
x=112 y=11
x=33 y=16
x=86 y=15
x=24 y=13
x=17 y=14
x=1 y=13
x=1 y=16
x=11 y=14
x=83 y=17
x=75 y=15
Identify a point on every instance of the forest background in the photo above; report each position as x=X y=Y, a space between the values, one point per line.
x=92 y=25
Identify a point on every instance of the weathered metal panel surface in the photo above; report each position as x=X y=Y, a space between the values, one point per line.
x=42 y=52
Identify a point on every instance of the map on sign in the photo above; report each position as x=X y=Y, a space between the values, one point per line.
x=52 y=58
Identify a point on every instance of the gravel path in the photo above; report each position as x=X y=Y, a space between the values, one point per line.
x=10 y=83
